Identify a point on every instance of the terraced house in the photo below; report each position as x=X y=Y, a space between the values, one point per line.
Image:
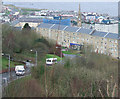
x=102 y=42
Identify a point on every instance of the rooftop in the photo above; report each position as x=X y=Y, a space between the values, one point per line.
x=100 y=34
x=79 y=30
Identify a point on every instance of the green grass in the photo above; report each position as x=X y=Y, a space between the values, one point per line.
x=5 y=63
x=72 y=53
x=53 y=56
x=43 y=60
x=67 y=52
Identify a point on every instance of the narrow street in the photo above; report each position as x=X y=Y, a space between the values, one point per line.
x=5 y=76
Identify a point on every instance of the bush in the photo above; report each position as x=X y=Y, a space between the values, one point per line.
x=38 y=71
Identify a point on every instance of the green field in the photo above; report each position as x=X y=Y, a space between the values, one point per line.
x=5 y=63
x=53 y=56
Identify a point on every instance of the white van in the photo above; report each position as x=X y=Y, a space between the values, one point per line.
x=19 y=70
x=50 y=61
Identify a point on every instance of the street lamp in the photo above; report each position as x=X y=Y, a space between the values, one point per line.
x=35 y=57
x=9 y=65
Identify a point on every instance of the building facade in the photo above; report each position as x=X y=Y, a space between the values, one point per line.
x=102 y=42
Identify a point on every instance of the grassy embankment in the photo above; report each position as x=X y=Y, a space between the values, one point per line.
x=5 y=63
x=18 y=83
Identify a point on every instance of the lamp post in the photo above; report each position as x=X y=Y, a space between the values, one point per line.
x=35 y=57
x=9 y=65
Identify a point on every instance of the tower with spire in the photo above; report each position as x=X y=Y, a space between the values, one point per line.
x=79 y=23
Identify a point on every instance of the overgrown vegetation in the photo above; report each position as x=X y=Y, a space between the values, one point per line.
x=17 y=42
x=93 y=75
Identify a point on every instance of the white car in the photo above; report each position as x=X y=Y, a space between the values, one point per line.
x=50 y=61
x=19 y=70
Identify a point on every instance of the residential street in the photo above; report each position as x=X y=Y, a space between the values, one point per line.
x=5 y=76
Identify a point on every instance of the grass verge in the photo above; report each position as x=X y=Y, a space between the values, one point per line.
x=6 y=61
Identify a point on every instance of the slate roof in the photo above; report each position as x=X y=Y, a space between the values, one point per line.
x=34 y=20
x=71 y=29
x=44 y=25
x=112 y=36
x=85 y=31
x=82 y=30
x=58 y=27
x=100 y=34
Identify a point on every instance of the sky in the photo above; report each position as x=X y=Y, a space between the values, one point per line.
x=60 y=0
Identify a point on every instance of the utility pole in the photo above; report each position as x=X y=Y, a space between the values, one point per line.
x=9 y=65
x=36 y=58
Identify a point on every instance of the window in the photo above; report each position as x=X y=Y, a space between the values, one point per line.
x=48 y=60
x=101 y=51
x=115 y=41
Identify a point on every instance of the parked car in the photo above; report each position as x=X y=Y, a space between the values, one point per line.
x=19 y=70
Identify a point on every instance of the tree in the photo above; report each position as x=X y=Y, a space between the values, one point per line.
x=26 y=26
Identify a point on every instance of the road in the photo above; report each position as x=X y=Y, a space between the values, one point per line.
x=70 y=56
x=5 y=76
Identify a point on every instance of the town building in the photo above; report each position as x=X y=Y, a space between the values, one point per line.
x=102 y=42
x=33 y=22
